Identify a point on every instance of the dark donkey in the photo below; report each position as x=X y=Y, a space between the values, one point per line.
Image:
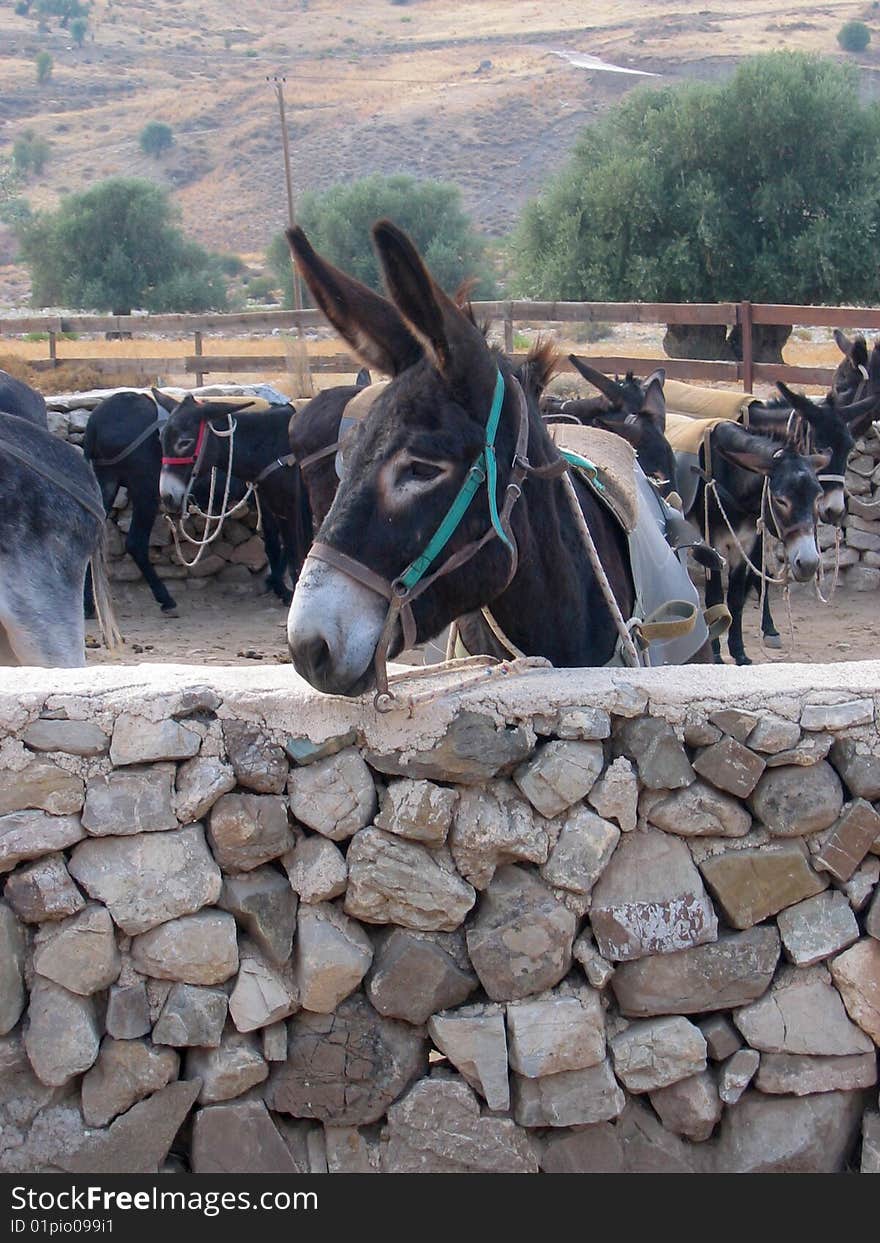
x=20 y=399
x=413 y=465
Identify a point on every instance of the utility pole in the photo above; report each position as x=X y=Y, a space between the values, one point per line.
x=278 y=83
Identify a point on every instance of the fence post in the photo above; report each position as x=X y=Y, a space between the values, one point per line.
x=200 y=375
x=508 y=328
x=745 y=323
x=53 y=348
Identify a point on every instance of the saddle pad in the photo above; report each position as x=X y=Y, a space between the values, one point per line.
x=705 y=403
x=251 y=405
x=685 y=433
x=615 y=459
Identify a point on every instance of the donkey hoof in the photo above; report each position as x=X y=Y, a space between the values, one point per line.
x=773 y=640
x=742 y=659
x=170 y=610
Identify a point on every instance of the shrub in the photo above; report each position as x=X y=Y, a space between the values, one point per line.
x=30 y=153
x=854 y=36
x=78 y=28
x=43 y=62
x=156 y=138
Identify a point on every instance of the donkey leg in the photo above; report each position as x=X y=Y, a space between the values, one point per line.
x=737 y=586
x=137 y=545
x=275 y=554
x=43 y=621
x=714 y=595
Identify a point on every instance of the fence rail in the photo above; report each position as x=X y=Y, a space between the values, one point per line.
x=507 y=313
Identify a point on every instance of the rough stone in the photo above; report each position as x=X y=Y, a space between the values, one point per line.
x=582 y=852
x=137 y=800
x=264 y=904
x=70 y=737
x=654 y=1053
x=193 y=949
x=391 y=880
x=472 y=750
x=43 y=891
x=437 y=1128
x=418 y=810
x=650 y=900
x=737 y=1073
x=802 y=1013
x=729 y=766
x=838 y=716
x=849 y=841
x=722 y=1038
x=239 y=1139
x=649 y=1148
x=146 y=880
x=615 y=796
x=559 y=775
x=790 y=1074
x=32 y=834
x=246 y=830
x=660 y=759
x=263 y=994
x=860 y=770
x=42 y=786
x=752 y=884
x=494 y=825
x=350 y=1151
x=12 y=953
x=259 y=764
x=861 y=884
x=336 y=797
x=593 y=1149
x=794 y=801
x=128 y=1011
x=737 y=724
x=316 y=869
x=275 y=1042
x=304 y=751
x=415 y=975
x=521 y=939
x=872 y=919
x=811 y=749
x=79 y=952
x=345 y=1068
x=773 y=734
x=474 y=1040
x=571 y=1098
x=62 y=1035
x=556 y=1032
x=598 y=971
x=698 y=810
x=227 y=1071
x=788 y=1135
x=870 y=1163
x=139 y=741
x=125 y=1072
x=333 y=954
x=200 y=782
x=191 y=1016
x=138 y=1142
x=856 y=972
x=732 y=971
x=691 y=1107
x=582 y=724
x=817 y=928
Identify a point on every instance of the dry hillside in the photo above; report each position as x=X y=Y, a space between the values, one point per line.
x=463 y=90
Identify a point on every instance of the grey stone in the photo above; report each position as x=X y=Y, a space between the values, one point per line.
x=872 y=919
x=193 y=949
x=275 y=1042
x=128 y=1012
x=615 y=796
x=849 y=840
x=200 y=782
x=125 y=1072
x=333 y=954
x=391 y=880
x=859 y=769
x=701 y=734
x=691 y=1107
x=62 y=1035
x=521 y=939
x=788 y=1135
x=838 y=716
x=12 y=951
x=732 y=971
x=649 y=1148
x=264 y=993
x=593 y=1149
x=146 y=880
x=335 y=797
x=71 y=737
x=495 y=825
x=870 y=1163
x=696 y=811
x=737 y=1073
x=138 y=1142
x=42 y=786
x=264 y=904
x=571 y=1098
x=790 y=1074
x=415 y=975
x=139 y=741
x=79 y=952
x=437 y=1128
x=418 y=810
x=734 y=722
x=350 y=1151
x=474 y=1040
x=232 y=1068
x=773 y=734
x=722 y=1038
x=191 y=1016
x=304 y=751
x=660 y=758
x=246 y=830
x=731 y=767
x=26 y=1106
x=32 y=834
x=598 y=970
x=556 y=1032
x=560 y=774
x=259 y=764
x=239 y=1139
x=817 y=928
x=802 y=1013
x=472 y=750
x=43 y=891
x=137 y=800
x=811 y=749
x=316 y=869
x=345 y=1068
x=650 y=900
x=794 y=801
x=856 y=973
x=752 y=884
x=582 y=852
x=656 y=1052
x=861 y=884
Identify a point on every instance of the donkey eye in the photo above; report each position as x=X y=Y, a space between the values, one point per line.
x=424 y=472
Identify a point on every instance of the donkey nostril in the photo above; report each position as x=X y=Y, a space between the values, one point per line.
x=312 y=657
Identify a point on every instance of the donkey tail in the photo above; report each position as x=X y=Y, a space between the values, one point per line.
x=104 y=610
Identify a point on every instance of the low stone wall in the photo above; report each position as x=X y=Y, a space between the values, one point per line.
x=859 y=555
x=555 y=921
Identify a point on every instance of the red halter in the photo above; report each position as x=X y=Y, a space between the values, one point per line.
x=189 y=461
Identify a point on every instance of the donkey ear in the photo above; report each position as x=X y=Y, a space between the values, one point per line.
x=843 y=342
x=654 y=402
x=818 y=461
x=631 y=428
x=163 y=401
x=598 y=379
x=752 y=453
x=368 y=322
x=798 y=401
x=459 y=348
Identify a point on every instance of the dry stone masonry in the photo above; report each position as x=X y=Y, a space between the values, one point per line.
x=566 y=922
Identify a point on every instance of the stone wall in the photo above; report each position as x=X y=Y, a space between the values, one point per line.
x=860 y=547
x=554 y=921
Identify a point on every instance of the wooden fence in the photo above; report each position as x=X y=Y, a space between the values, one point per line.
x=508 y=314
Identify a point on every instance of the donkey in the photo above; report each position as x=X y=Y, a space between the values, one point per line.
x=19 y=398
x=51 y=528
x=407 y=473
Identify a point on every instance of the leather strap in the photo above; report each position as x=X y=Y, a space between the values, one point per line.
x=73 y=490
x=135 y=444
